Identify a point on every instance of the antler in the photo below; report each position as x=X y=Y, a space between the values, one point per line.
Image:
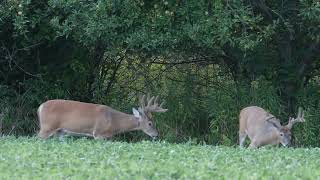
x=151 y=105
x=300 y=118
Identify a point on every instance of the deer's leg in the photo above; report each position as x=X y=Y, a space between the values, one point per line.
x=101 y=133
x=103 y=136
x=46 y=130
x=253 y=144
x=101 y=130
x=60 y=134
x=45 y=133
x=242 y=138
x=100 y=137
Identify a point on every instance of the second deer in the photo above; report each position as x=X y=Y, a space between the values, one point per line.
x=263 y=128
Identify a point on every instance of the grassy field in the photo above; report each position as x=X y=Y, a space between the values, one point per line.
x=30 y=158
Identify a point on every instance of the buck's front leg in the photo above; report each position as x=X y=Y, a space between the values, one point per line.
x=104 y=136
x=242 y=138
x=60 y=134
x=254 y=144
x=102 y=130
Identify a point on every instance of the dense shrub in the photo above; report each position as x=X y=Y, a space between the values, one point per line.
x=206 y=59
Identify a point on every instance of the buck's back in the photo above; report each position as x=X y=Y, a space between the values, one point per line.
x=253 y=119
x=71 y=115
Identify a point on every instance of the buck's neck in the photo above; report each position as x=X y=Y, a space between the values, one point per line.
x=126 y=123
x=134 y=123
x=270 y=137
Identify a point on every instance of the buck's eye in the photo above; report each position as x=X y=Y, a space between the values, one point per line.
x=150 y=123
x=281 y=134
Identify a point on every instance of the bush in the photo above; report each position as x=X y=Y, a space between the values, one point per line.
x=207 y=59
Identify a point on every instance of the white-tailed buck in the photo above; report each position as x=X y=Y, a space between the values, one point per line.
x=99 y=121
x=263 y=128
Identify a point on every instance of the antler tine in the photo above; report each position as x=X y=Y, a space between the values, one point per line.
x=300 y=118
x=290 y=122
x=142 y=103
x=148 y=97
x=161 y=104
x=150 y=102
x=299 y=112
x=155 y=102
x=153 y=105
x=293 y=121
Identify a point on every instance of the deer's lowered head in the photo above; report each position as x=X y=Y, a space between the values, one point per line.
x=144 y=114
x=283 y=133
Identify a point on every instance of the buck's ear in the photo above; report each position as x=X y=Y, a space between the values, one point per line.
x=274 y=122
x=136 y=113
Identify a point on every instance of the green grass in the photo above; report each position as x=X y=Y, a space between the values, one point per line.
x=30 y=158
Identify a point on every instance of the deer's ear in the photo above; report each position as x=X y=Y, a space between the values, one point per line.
x=136 y=113
x=274 y=122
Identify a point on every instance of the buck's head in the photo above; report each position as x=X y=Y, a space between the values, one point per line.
x=284 y=135
x=145 y=117
x=284 y=132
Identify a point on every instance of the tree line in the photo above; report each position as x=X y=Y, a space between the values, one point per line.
x=207 y=59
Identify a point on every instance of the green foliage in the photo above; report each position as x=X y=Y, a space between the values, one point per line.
x=25 y=158
x=308 y=133
x=23 y=107
x=207 y=59
x=310 y=15
x=225 y=104
x=159 y=28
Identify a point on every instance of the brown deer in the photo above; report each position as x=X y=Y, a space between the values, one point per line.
x=62 y=117
x=263 y=128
